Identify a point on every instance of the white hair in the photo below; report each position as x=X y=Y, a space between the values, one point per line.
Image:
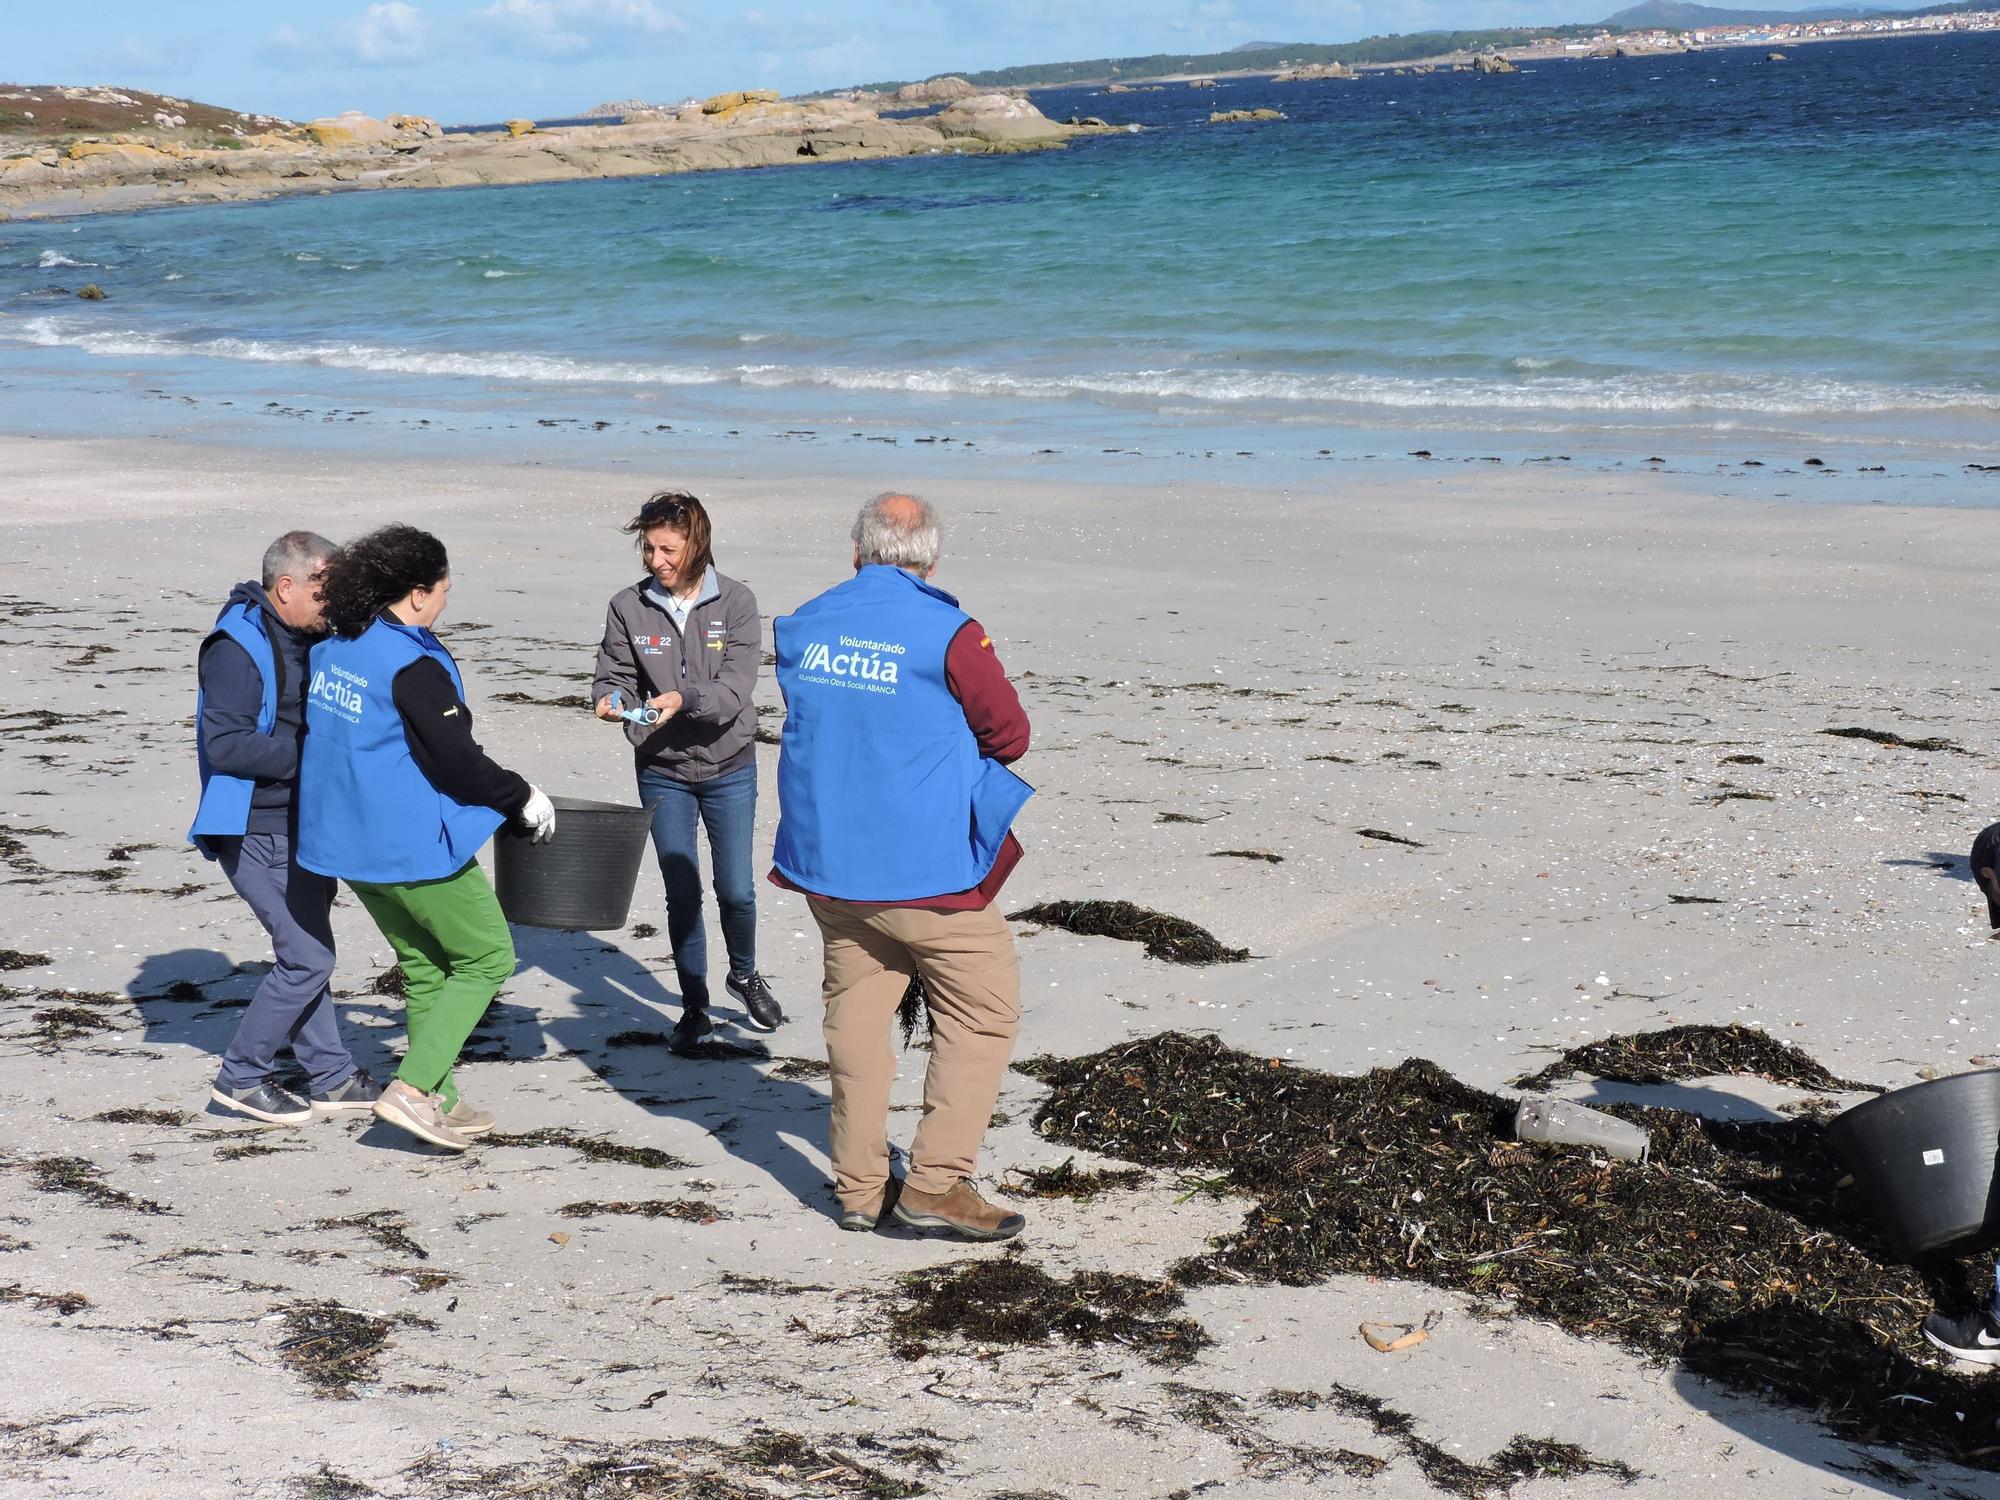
x=886 y=531
x=295 y=555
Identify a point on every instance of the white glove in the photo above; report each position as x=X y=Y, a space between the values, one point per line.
x=540 y=815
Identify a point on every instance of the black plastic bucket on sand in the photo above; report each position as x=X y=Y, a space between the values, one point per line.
x=581 y=880
x=1923 y=1161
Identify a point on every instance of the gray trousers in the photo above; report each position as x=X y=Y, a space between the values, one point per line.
x=294 y=1004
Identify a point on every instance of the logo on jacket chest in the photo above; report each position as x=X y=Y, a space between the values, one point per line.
x=652 y=645
x=862 y=668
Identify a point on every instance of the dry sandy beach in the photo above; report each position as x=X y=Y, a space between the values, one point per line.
x=1535 y=676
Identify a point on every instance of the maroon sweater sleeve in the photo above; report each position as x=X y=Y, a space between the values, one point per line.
x=992 y=708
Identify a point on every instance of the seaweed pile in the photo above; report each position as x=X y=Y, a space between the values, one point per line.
x=1732 y=1251
x=1693 y=1052
x=84 y=1178
x=1013 y=1301
x=692 y=1210
x=331 y=1346
x=593 y=1148
x=1889 y=737
x=1173 y=940
x=1067 y=1180
x=692 y=1469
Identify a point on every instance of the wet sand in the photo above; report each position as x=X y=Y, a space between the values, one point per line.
x=1551 y=684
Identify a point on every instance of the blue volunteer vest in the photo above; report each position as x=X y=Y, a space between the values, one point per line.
x=882 y=792
x=224 y=809
x=366 y=810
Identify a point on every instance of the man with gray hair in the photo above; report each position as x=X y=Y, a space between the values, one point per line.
x=249 y=721
x=894 y=812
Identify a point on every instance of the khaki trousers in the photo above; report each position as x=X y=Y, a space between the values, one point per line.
x=973 y=978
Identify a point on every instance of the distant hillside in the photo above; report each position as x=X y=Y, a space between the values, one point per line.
x=1260 y=59
x=58 y=110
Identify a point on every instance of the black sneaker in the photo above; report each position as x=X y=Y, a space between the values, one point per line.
x=1972 y=1336
x=358 y=1093
x=266 y=1102
x=689 y=1031
x=764 y=1012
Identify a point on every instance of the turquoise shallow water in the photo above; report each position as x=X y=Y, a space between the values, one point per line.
x=1697 y=250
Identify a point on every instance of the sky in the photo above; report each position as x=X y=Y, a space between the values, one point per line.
x=471 y=61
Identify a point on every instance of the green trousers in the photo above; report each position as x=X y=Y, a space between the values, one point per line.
x=456 y=952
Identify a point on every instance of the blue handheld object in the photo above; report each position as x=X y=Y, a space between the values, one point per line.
x=645 y=714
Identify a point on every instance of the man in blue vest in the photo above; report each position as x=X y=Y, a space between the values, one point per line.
x=250 y=723
x=894 y=812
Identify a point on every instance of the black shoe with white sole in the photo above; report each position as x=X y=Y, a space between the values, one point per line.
x=761 y=1006
x=266 y=1102
x=357 y=1095
x=1972 y=1336
x=689 y=1031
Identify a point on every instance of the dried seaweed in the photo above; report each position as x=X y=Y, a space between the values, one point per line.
x=1693 y=1052
x=13 y=958
x=594 y=1148
x=1067 y=1181
x=683 y=1469
x=141 y=1117
x=327 y=1483
x=1383 y=836
x=332 y=1347
x=1264 y=1455
x=1522 y=1458
x=1696 y=900
x=798 y=1069
x=385 y=1226
x=1733 y=1251
x=1888 y=737
x=1261 y=854
x=637 y=1039
x=63 y=1304
x=692 y=1210
x=85 y=1179
x=1170 y=939
x=391 y=981
x=914 y=1007
x=65 y=1023
x=420 y=1278
x=1011 y=1300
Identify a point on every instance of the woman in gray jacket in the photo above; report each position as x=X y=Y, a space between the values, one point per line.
x=679 y=661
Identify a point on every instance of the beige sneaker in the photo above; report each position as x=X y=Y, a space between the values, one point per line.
x=419 y=1114
x=961 y=1211
x=468 y=1120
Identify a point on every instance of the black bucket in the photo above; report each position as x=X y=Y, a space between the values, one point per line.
x=1923 y=1160
x=581 y=880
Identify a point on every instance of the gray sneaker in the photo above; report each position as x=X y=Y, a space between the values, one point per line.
x=422 y=1115
x=357 y=1094
x=468 y=1119
x=265 y=1101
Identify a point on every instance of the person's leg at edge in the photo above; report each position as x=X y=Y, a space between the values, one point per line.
x=425 y=964
x=674 y=822
x=972 y=978
x=865 y=977
x=293 y=1004
x=729 y=813
x=464 y=916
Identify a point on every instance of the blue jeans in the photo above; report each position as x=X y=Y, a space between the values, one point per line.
x=293 y=1006
x=728 y=806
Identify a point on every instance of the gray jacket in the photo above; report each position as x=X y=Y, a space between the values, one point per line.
x=714 y=669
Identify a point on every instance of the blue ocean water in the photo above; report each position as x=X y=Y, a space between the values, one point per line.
x=1699 y=249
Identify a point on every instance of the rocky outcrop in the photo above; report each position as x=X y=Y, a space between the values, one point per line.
x=999 y=119
x=942 y=90
x=1310 y=71
x=1775 y=57
x=340 y=132
x=753 y=128
x=519 y=128
x=728 y=104
x=1492 y=62
x=1237 y=116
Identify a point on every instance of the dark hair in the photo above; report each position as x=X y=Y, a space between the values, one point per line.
x=377 y=570
x=1986 y=856
x=684 y=513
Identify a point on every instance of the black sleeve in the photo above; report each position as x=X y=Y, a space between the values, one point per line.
x=231 y=693
x=439 y=728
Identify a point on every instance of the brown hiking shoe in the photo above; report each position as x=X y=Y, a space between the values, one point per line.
x=960 y=1211
x=861 y=1219
x=420 y=1114
x=467 y=1119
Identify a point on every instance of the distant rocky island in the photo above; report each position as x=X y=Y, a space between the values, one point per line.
x=81 y=150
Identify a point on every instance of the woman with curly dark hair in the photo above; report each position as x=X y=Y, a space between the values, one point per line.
x=681 y=651
x=396 y=798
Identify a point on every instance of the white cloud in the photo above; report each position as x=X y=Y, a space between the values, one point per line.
x=574 y=28
x=386 y=35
